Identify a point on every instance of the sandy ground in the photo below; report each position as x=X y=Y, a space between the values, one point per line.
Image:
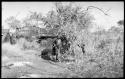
x=17 y=63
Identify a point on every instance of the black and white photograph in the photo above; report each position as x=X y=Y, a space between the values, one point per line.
x=77 y=39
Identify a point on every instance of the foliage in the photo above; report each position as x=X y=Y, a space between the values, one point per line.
x=120 y=22
x=32 y=19
x=13 y=22
x=103 y=55
x=106 y=56
x=67 y=19
x=70 y=21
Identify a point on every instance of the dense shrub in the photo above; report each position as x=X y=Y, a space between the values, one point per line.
x=106 y=56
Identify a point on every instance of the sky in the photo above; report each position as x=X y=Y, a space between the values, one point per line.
x=21 y=10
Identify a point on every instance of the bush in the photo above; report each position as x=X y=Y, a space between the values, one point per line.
x=103 y=56
x=106 y=56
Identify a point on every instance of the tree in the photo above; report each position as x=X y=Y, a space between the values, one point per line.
x=68 y=19
x=72 y=20
x=13 y=23
x=33 y=19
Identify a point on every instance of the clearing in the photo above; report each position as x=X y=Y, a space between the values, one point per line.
x=17 y=63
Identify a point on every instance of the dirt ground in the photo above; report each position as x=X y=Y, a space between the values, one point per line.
x=17 y=63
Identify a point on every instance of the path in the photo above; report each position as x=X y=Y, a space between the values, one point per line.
x=26 y=64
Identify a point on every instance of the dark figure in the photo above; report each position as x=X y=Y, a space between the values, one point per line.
x=82 y=46
x=56 y=48
x=6 y=38
x=55 y=52
x=12 y=39
x=47 y=54
x=65 y=44
x=52 y=53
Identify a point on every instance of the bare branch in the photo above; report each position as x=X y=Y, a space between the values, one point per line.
x=108 y=10
x=98 y=9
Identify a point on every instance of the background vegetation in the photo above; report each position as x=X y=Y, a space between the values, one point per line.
x=103 y=55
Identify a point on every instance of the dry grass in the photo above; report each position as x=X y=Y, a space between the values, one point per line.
x=103 y=57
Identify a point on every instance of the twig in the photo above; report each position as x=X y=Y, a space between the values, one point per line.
x=98 y=9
